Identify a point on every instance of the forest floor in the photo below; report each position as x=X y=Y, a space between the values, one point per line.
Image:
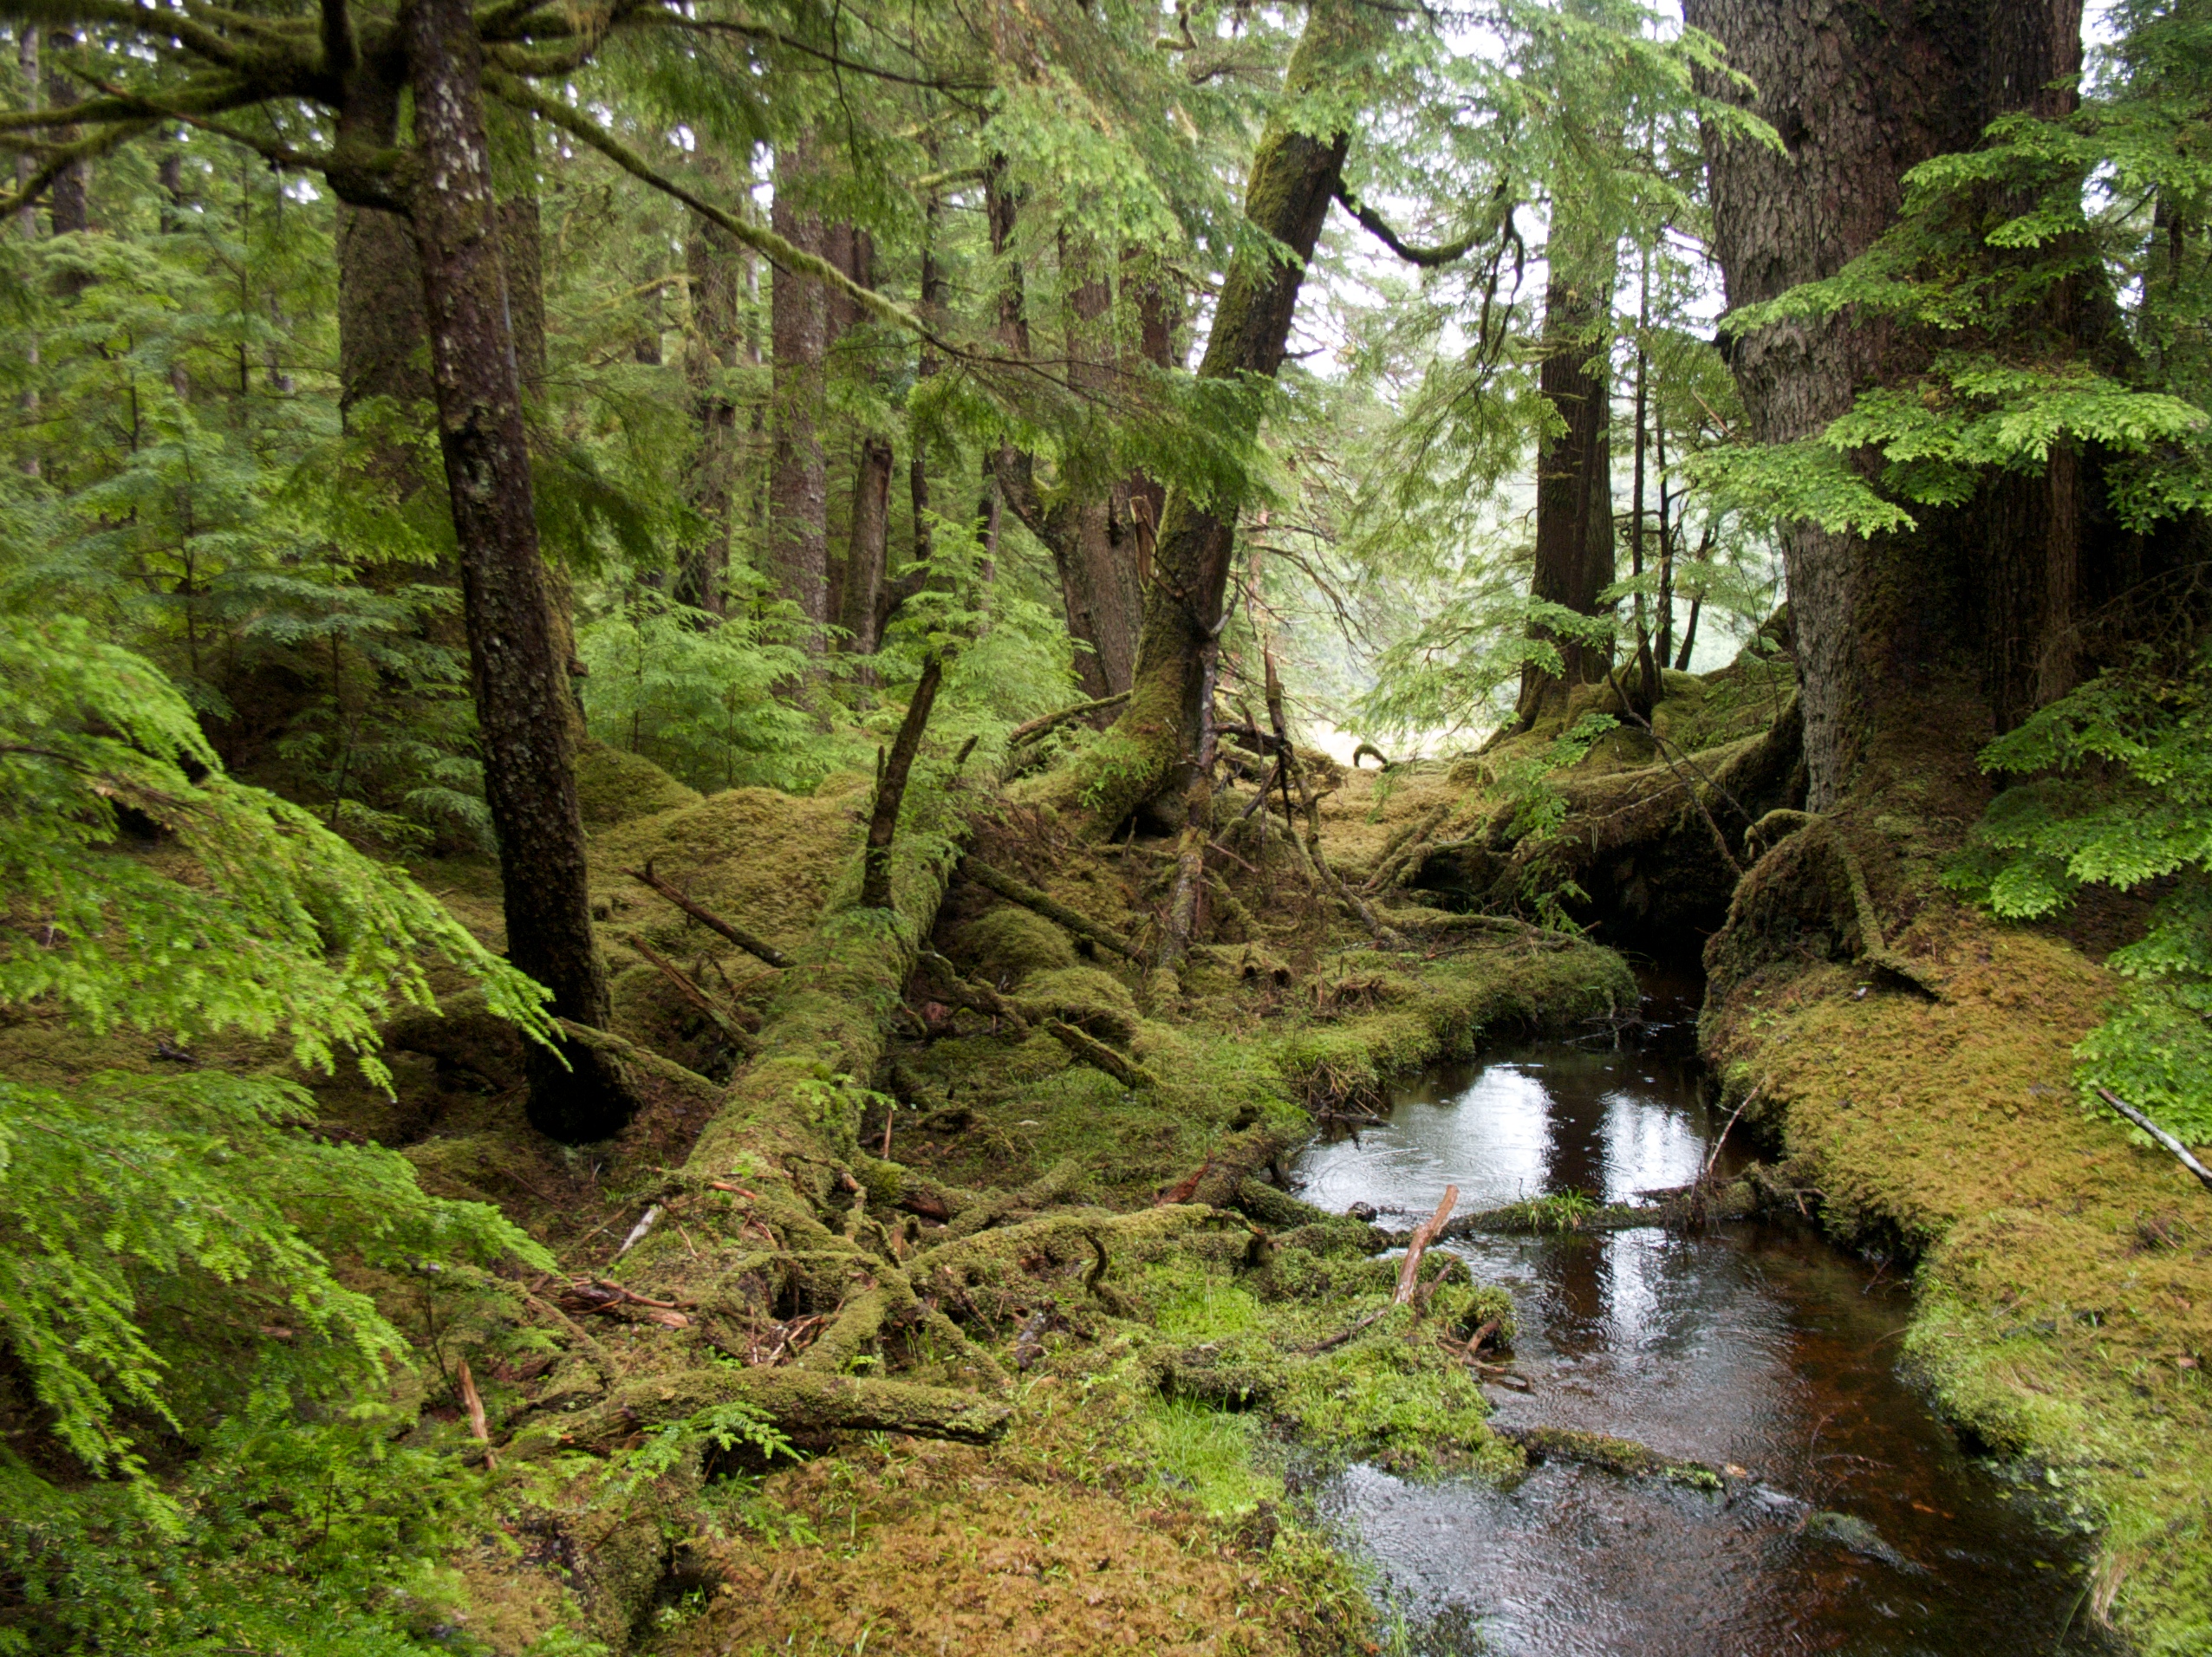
x=1180 y=1345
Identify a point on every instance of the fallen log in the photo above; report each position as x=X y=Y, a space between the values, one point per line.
x=1095 y=1053
x=1623 y=1457
x=1031 y=899
x=795 y=1401
x=706 y=918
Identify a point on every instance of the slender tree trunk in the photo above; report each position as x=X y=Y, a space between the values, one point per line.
x=1574 y=470
x=868 y=546
x=71 y=192
x=1861 y=93
x=521 y=683
x=895 y=591
x=799 y=490
x=715 y=263
x=1294 y=177
x=27 y=223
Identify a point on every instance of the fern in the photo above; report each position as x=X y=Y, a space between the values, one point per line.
x=2120 y=797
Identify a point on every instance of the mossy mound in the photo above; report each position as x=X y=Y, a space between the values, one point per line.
x=765 y=860
x=1012 y=943
x=614 y=787
x=1093 y=1000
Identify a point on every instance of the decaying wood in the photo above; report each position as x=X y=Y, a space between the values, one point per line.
x=891 y=788
x=1029 y=898
x=974 y=996
x=684 y=987
x=706 y=918
x=472 y=1401
x=1423 y=1235
x=1098 y=1056
x=2182 y=1151
x=1404 y=847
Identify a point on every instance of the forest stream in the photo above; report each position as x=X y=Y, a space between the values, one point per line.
x=1852 y=1519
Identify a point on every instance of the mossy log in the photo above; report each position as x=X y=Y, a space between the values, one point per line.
x=1624 y=1457
x=795 y=1400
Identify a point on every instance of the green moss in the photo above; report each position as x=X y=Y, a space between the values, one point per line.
x=1097 y=1001
x=1011 y=942
x=614 y=787
x=2061 y=1315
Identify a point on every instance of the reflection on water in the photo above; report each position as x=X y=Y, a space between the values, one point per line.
x=1757 y=1346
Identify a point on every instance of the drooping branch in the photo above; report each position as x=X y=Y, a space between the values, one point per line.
x=1379 y=228
x=510 y=89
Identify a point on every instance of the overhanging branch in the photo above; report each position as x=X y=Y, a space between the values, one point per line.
x=1376 y=226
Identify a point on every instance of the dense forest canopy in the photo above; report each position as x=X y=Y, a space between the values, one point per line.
x=440 y=434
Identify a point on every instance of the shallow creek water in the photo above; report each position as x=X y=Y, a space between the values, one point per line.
x=1756 y=1346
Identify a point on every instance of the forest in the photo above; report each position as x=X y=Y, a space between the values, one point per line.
x=751 y=749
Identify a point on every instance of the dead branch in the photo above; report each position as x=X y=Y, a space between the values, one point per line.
x=666 y=1070
x=2204 y=1174
x=1029 y=898
x=706 y=918
x=1036 y=730
x=1423 y=1235
x=690 y=992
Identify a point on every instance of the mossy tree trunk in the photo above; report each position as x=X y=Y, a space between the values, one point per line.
x=1295 y=174
x=1574 y=472
x=520 y=680
x=1983 y=595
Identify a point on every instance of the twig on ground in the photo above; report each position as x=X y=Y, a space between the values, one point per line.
x=1423 y=1234
x=2182 y=1151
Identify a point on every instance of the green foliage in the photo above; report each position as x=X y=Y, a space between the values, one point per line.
x=2118 y=795
x=157 y=1235
x=319 y=1535
x=696 y=695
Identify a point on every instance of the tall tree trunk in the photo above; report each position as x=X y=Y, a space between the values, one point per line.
x=1574 y=469
x=716 y=265
x=71 y=193
x=1101 y=541
x=1861 y=91
x=896 y=590
x=521 y=684
x=1294 y=176
x=858 y=587
x=382 y=333
x=798 y=489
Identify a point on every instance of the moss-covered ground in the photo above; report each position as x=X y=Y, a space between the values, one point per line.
x=1166 y=1404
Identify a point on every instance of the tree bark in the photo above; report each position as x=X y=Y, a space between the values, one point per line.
x=1294 y=176
x=1574 y=470
x=380 y=326
x=1860 y=93
x=798 y=489
x=716 y=265
x=520 y=682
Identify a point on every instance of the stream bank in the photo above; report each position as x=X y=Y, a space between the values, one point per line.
x=1846 y=1516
